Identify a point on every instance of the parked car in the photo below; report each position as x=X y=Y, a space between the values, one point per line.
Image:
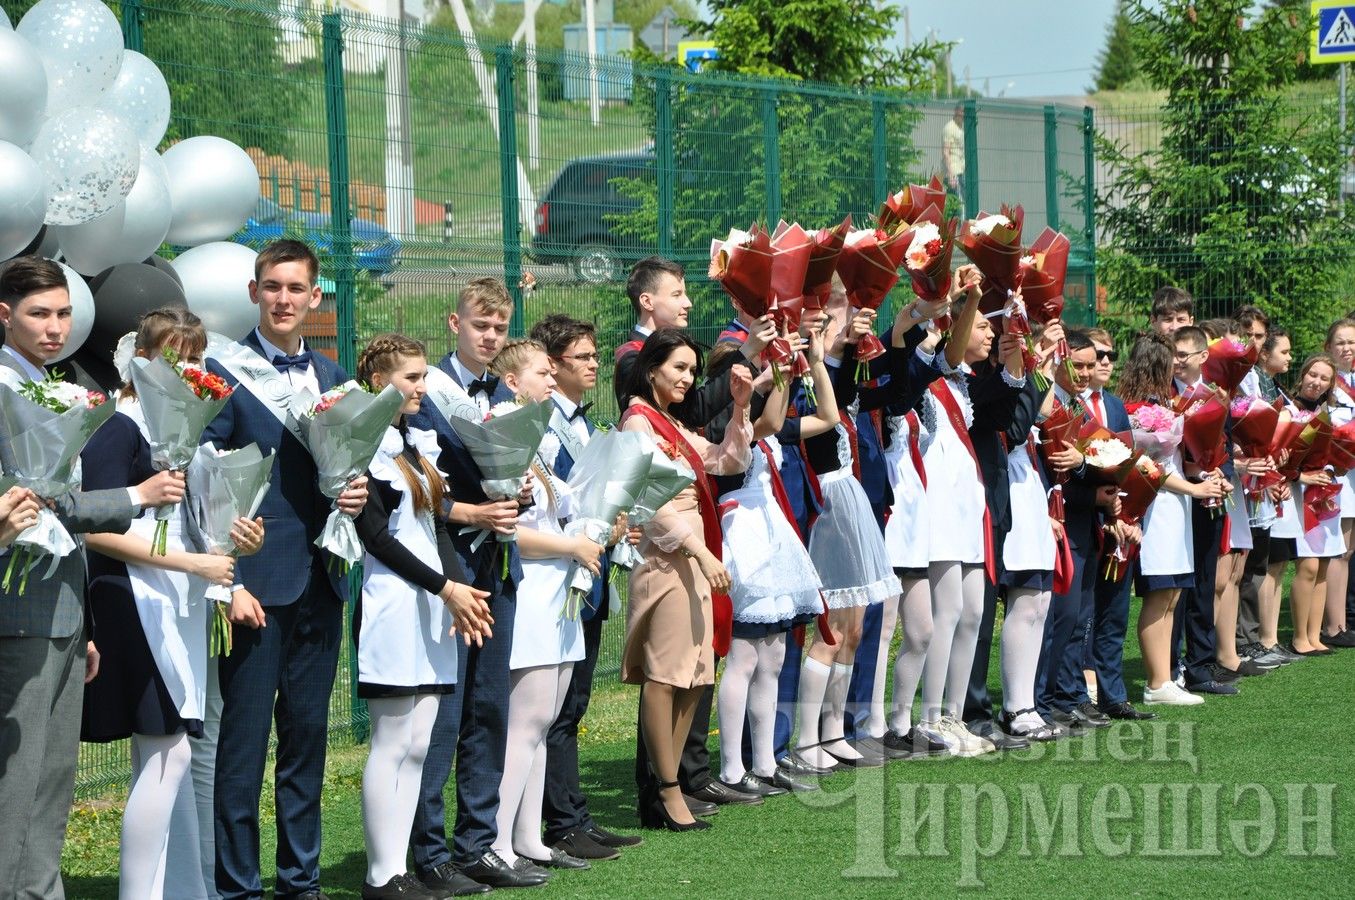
x=576 y=217
x=375 y=249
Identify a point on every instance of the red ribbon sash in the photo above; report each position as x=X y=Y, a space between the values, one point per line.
x=915 y=446
x=947 y=400
x=722 y=609
x=783 y=501
x=628 y=348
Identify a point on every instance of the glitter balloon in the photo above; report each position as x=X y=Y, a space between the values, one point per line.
x=91 y=158
x=130 y=231
x=140 y=96
x=80 y=43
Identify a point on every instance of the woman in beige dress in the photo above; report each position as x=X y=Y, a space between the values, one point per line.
x=670 y=622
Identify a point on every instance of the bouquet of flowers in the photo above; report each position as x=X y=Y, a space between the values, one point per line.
x=224 y=485
x=927 y=259
x=606 y=480
x=1341 y=448
x=869 y=270
x=503 y=447
x=1320 y=503
x=1057 y=432
x=993 y=243
x=1109 y=454
x=343 y=430
x=1138 y=490
x=824 y=253
x=1255 y=424
x=669 y=475
x=1042 y=273
x=1156 y=430
x=746 y=266
x=1227 y=362
x=1294 y=440
x=179 y=401
x=907 y=206
x=1202 y=437
x=1191 y=396
x=43 y=427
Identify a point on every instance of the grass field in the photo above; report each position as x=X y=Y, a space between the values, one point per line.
x=1247 y=795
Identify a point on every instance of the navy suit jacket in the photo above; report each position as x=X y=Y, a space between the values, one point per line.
x=596 y=606
x=463 y=477
x=1081 y=516
x=294 y=510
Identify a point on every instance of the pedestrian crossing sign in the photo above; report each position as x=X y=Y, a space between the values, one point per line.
x=1333 y=31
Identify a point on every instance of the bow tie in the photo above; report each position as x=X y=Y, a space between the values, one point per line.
x=486 y=386
x=301 y=362
x=580 y=411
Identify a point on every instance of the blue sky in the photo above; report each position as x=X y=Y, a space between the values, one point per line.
x=1038 y=47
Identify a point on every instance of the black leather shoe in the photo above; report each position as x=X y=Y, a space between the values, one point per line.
x=321 y=895
x=751 y=784
x=800 y=767
x=868 y=746
x=599 y=835
x=491 y=869
x=402 y=887
x=1090 y=716
x=529 y=867
x=919 y=745
x=700 y=808
x=1211 y=687
x=447 y=881
x=1069 y=724
x=580 y=846
x=987 y=728
x=785 y=780
x=1127 y=713
x=866 y=761
x=715 y=792
x=1343 y=640
x=895 y=747
x=559 y=859
x=1224 y=675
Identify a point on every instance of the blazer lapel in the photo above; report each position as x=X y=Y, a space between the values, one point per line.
x=445 y=364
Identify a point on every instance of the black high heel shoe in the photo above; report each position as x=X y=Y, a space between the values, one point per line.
x=654 y=814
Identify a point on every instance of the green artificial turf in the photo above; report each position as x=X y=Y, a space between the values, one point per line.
x=1246 y=795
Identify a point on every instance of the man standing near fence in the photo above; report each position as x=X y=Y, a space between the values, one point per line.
x=952 y=153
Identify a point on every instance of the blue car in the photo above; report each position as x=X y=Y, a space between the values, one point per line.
x=375 y=250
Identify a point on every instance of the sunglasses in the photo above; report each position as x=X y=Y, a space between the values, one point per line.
x=1104 y=355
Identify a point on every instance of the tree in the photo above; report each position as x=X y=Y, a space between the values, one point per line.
x=1239 y=201
x=1117 y=65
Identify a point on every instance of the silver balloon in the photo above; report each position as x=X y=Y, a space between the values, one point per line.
x=214 y=185
x=130 y=231
x=23 y=199
x=140 y=96
x=216 y=279
x=82 y=312
x=4 y=21
x=91 y=158
x=23 y=89
x=80 y=42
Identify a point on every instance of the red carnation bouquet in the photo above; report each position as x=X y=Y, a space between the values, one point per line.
x=1202 y=436
x=1138 y=490
x=1228 y=362
x=791 y=248
x=1255 y=424
x=869 y=268
x=927 y=259
x=993 y=243
x=908 y=205
x=1057 y=432
x=824 y=255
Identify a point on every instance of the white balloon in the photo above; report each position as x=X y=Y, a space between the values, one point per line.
x=214 y=186
x=216 y=279
x=91 y=158
x=82 y=313
x=130 y=231
x=23 y=89
x=4 y=21
x=23 y=199
x=140 y=96
x=80 y=42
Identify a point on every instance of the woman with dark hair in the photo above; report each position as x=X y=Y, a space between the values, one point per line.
x=670 y=617
x=1167 y=558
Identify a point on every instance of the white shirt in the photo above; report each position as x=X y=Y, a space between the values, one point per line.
x=298 y=380
x=466 y=376
x=567 y=407
x=1097 y=409
x=643 y=330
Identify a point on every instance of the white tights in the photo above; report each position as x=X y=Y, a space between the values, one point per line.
x=889 y=620
x=915 y=608
x=161 y=797
x=748 y=688
x=957 y=610
x=533 y=704
x=401 y=728
x=1022 y=635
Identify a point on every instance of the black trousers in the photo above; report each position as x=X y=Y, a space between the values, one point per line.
x=1194 y=617
x=564 y=808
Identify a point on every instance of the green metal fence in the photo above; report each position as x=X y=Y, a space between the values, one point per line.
x=490 y=160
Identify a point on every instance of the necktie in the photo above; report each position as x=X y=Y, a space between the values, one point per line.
x=580 y=411
x=301 y=362
x=486 y=386
x=1096 y=406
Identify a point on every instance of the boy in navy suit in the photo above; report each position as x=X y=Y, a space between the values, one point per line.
x=572 y=345
x=287 y=617
x=472 y=723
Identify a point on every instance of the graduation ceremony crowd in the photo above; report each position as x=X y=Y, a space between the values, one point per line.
x=849 y=529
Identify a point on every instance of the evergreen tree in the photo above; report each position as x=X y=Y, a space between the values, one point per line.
x=1117 y=65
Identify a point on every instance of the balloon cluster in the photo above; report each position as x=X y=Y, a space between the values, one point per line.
x=81 y=181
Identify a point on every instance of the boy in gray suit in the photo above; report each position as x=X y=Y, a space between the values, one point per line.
x=44 y=657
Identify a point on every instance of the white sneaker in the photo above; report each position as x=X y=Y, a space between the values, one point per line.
x=1170 y=694
x=934 y=732
x=966 y=742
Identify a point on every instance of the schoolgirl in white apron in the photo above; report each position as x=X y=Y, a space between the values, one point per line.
x=1340 y=347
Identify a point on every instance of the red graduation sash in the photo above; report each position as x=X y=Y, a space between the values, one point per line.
x=628 y=348
x=947 y=400
x=723 y=610
x=915 y=446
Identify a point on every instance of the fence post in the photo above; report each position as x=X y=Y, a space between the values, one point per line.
x=1089 y=201
x=1051 y=166
x=771 y=155
x=508 y=182
x=879 y=152
x=133 y=18
x=341 y=253
x=663 y=156
x=971 y=158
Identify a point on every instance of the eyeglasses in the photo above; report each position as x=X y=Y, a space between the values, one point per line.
x=583 y=358
x=1106 y=355
x=1182 y=357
